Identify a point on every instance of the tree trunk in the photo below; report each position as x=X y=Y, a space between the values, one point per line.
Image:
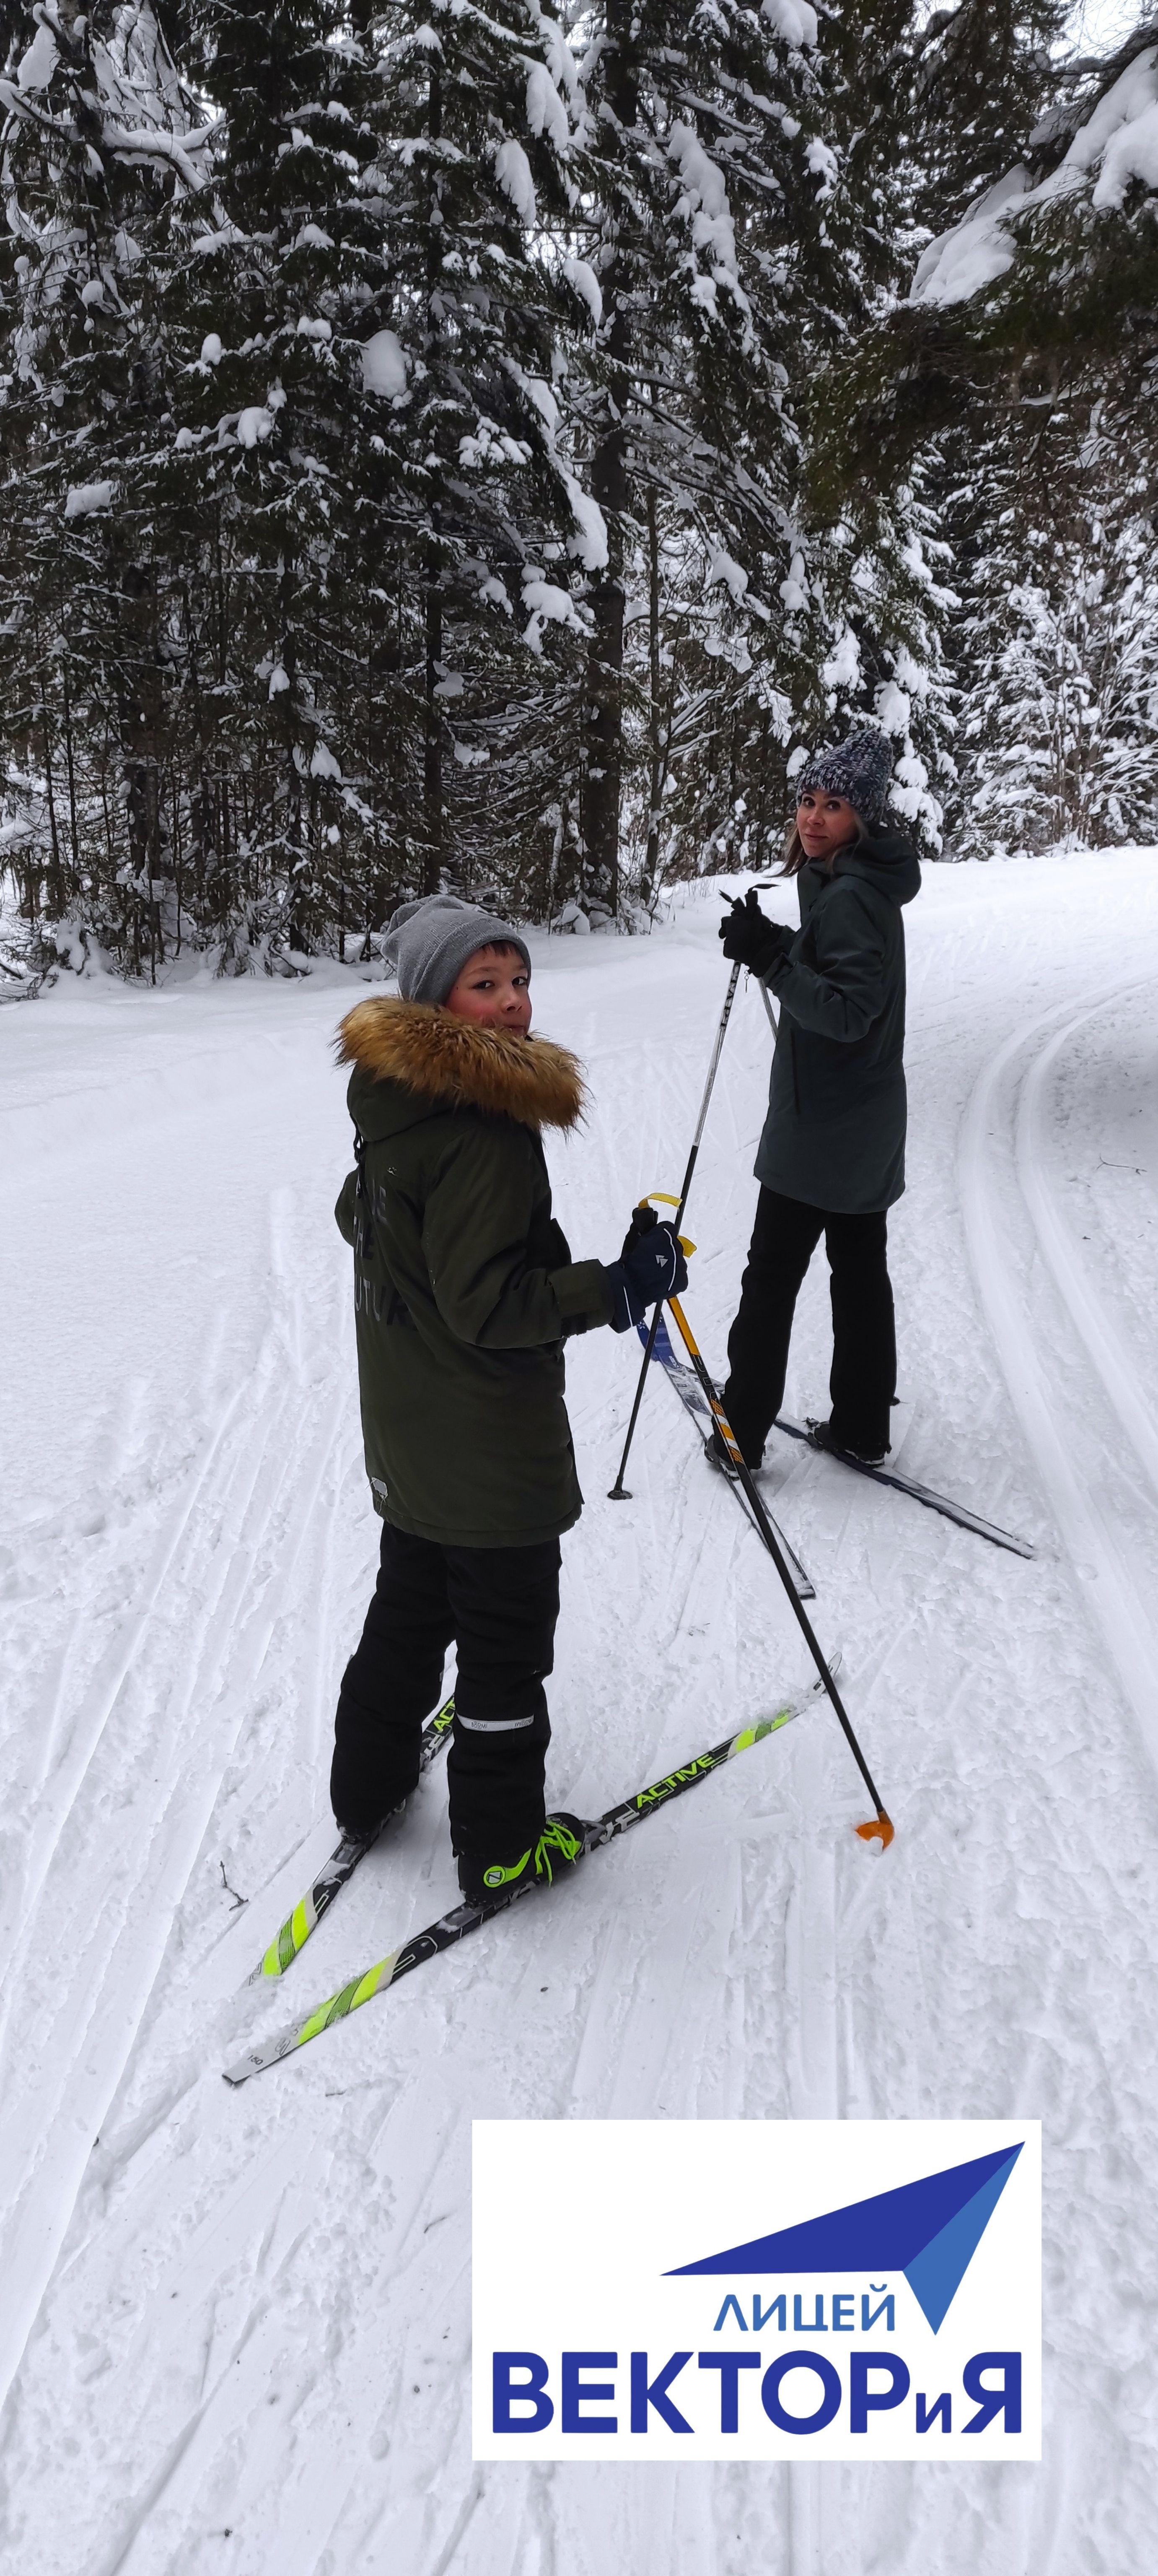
x=432 y=605
x=659 y=720
x=602 y=773
x=70 y=771
x=432 y=746
x=56 y=903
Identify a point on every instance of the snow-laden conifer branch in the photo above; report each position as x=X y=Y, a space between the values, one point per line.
x=495 y=485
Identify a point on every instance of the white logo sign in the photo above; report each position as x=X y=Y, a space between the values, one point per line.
x=757 y=2289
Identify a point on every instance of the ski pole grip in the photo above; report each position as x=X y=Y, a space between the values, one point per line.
x=666 y=1200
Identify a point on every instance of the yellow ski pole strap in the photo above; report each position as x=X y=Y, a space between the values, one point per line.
x=667 y=1200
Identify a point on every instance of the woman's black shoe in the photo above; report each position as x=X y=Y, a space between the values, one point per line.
x=822 y=1437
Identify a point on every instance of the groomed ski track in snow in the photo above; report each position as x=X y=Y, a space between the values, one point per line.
x=235 y=2328
x=1098 y=1461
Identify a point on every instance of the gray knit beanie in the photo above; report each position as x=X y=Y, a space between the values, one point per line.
x=858 y=769
x=428 y=943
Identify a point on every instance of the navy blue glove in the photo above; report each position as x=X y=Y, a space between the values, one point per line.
x=650 y=1266
x=644 y=1220
x=748 y=934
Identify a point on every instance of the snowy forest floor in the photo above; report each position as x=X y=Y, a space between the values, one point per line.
x=236 y=2325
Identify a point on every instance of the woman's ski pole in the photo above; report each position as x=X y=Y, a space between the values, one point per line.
x=619 y=1492
x=882 y=1824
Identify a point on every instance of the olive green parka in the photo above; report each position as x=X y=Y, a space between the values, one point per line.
x=464 y=1287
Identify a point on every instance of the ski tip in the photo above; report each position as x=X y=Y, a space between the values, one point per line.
x=270 y=1964
x=878 y=1826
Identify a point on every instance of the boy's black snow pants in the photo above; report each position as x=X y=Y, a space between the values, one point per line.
x=499 y=1605
x=864 y=1350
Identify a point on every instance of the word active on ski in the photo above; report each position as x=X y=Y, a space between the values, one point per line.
x=463 y=1919
x=340 y=1867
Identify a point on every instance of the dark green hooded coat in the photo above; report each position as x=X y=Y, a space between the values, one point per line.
x=463 y=1283
x=835 y=1131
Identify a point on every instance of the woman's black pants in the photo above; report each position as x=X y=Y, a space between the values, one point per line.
x=864 y=1348
x=500 y=1605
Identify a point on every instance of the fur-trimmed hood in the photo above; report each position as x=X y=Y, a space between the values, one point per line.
x=453 y=1062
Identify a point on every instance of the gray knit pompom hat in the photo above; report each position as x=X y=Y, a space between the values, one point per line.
x=858 y=769
x=429 y=942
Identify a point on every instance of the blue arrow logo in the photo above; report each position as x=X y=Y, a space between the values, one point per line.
x=928 y=2230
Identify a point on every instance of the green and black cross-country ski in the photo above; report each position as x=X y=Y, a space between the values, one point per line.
x=687 y=1387
x=340 y=1867
x=454 y=1926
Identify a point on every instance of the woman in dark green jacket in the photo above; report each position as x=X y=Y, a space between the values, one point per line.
x=464 y=1293
x=831 y=1158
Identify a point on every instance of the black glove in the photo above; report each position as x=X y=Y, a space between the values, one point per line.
x=748 y=934
x=644 y=1220
x=651 y=1266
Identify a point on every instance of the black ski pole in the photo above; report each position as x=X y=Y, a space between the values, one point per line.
x=882 y=1825
x=619 y=1492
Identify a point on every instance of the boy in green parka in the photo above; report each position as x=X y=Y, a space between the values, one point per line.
x=465 y=1292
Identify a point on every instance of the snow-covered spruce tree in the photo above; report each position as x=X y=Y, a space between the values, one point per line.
x=99 y=135
x=1033 y=339
x=738 y=242
x=877 y=554
x=971 y=82
x=867 y=599
x=921 y=109
x=472 y=192
x=415 y=325
x=1057 y=644
x=1047 y=282
x=1054 y=270
x=931 y=109
x=700 y=223
x=308 y=572
x=276 y=487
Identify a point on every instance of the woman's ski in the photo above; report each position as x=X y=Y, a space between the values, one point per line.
x=340 y=1867
x=688 y=1389
x=950 y=1511
x=684 y=1381
x=454 y=1926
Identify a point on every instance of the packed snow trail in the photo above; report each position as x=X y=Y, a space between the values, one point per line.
x=247 y=2314
x=1084 y=1448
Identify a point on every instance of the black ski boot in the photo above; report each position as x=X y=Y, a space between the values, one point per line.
x=560 y=1842
x=717 y=1457
x=821 y=1437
